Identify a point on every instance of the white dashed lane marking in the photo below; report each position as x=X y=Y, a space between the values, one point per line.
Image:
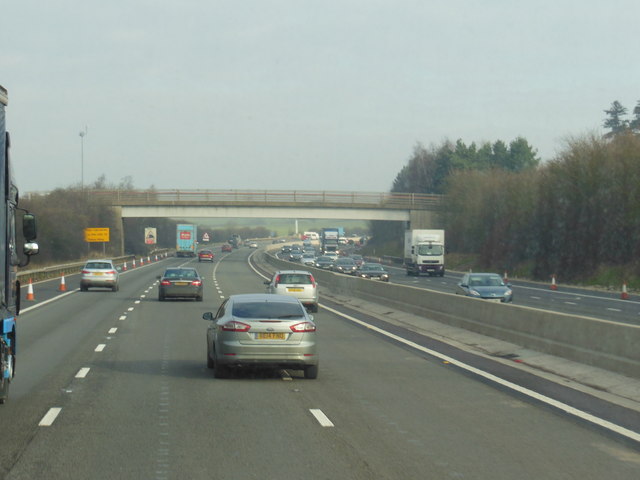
x=50 y=417
x=322 y=419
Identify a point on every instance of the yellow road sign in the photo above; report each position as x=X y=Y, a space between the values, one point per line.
x=96 y=234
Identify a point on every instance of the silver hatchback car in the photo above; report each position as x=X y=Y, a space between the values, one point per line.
x=261 y=330
x=295 y=283
x=99 y=273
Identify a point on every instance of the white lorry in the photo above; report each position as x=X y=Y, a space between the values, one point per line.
x=424 y=252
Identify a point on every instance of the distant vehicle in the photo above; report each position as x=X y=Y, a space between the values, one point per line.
x=295 y=255
x=205 y=256
x=296 y=283
x=285 y=249
x=253 y=245
x=186 y=240
x=373 y=271
x=424 y=252
x=358 y=259
x=261 y=330
x=226 y=247
x=180 y=283
x=329 y=240
x=235 y=241
x=99 y=273
x=310 y=236
x=488 y=286
x=345 y=265
x=308 y=259
x=333 y=255
x=324 y=262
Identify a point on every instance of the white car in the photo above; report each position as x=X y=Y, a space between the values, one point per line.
x=296 y=283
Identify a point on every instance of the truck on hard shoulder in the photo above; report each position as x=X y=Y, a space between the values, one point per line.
x=186 y=240
x=9 y=262
x=329 y=240
x=235 y=241
x=424 y=252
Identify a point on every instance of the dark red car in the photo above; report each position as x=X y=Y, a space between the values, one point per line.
x=227 y=248
x=205 y=256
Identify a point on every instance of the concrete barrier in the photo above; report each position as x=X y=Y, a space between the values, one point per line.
x=591 y=341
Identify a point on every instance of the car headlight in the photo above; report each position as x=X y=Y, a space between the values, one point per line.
x=384 y=275
x=508 y=293
x=474 y=293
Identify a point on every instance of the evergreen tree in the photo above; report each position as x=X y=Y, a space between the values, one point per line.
x=614 y=121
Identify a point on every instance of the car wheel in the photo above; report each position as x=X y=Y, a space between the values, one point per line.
x=311 y=372
x=199 y=298
x=114 y=288
x=314 y=308
x=161 y=298
x=83 y=288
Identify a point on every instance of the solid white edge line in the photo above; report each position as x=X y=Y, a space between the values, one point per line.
x=524 y=391
x=322 y=419
x=44 y=302
x=50 y=417
x=82 y=373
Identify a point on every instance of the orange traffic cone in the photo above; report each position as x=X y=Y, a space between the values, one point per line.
x=625 y=294
x=134 y=263
x=30 y=295
x=63 y=285
x=141 y=261
x=124 y=267
x=148 y=259
x=505 y=279
x=156 y=258
x=553 y=283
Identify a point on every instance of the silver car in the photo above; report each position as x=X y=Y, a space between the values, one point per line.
x=295 y=283
x=261 y=330
x=308 y=259
x=99 y=273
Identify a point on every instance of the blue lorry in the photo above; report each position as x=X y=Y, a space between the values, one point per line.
x=9 y=261
x=186 y=240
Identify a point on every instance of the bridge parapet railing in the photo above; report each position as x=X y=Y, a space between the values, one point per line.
x=378 y=199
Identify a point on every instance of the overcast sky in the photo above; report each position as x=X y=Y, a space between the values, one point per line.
x=299 y=94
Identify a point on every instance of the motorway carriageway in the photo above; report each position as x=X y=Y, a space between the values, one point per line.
x=116 y=385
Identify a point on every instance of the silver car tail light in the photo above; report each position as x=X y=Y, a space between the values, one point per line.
x=235 y=326
x=303 y=327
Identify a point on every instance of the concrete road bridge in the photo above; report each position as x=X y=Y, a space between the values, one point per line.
x=417 y=210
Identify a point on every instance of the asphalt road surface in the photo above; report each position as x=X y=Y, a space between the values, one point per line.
x=115 y=385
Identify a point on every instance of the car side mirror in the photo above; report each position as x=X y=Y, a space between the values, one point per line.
x=509 y=285
x=158 y=277
x=464 y=285
x=207 y=316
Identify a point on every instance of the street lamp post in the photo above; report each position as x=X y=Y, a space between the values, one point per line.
x=82 y=134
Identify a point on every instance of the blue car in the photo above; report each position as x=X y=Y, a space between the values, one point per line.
x=487 y=286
